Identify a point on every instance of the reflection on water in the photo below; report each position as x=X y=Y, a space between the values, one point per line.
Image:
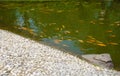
x=32 y=25
x=77 y=26
x=19 y=19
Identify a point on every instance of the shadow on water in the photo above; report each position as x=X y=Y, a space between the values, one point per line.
x=82 y=27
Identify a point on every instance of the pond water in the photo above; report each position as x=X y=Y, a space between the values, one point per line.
x=81 y=27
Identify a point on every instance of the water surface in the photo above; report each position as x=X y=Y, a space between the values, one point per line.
x=83 y=27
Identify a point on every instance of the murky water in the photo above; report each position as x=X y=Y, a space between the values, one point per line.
x=82 y=27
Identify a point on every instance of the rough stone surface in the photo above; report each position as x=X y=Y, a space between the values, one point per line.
x=23 y=57
x=103 y=60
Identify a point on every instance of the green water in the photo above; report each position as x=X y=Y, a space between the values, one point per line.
x=82 y=27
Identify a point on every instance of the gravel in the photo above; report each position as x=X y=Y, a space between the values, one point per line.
x=24 y=57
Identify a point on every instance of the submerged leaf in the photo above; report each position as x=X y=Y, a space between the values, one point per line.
x=41 y=36
x=101 y=44
x=66 y=32
x=63 y=26
x=69 y=39
x=65 y=45
x=111 y=24
x=109 y=31
x=101 y=19
x=112 y=36
x=113 y=43
x=57 y=41
x=61 y=29
x=57 y=29
x=91 y=37
x=117 y=22
x=33 y=33
x=81 y=41
x=28 y=30
x=59 y=11
x=91 y=41
x=52 y=24
x=92 y=22
x=76 y=31
x=101 y=23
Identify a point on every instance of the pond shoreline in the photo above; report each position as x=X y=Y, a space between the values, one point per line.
x=21 y=56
